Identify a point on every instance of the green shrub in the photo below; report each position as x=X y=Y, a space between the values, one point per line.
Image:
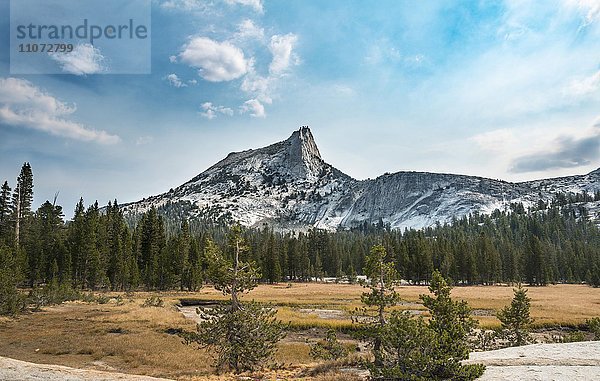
x=594 y=326
x=329 y=348
x=516 y=320
x=153 y=301
x=574 y=337
x=419 y=350
x=11 y=301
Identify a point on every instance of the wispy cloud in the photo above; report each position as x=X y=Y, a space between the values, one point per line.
x=254 y=108
x=211 y=111
x=281 y=48
x=247 y=30
x=584 y=86
x=254 y=4
x=590 y=9
x=24 y=105
x=175 y=81
x=261 y=87
x=495 y=141
x=83 y=60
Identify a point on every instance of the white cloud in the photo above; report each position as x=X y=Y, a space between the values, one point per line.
x=589 y=8
x=247 y=29
x=254 y=108
x=261 y=87
x=584 y=86
x=24 y=105
x=173 y=59
x=254 y=4
x=84 y=59
x=216 y=61
x=282 y=49
x=175 y=81
x=211 y=111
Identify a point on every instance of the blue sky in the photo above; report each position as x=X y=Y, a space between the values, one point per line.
x=502 y=89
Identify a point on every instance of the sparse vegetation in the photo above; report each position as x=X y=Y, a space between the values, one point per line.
x=329 y=348
x=594 y=326
x=151 y=344
x=154 y=301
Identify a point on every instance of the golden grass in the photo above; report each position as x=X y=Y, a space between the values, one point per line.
x=130 y=338
x=81 y=335
x=301 y=320
x=555 y=304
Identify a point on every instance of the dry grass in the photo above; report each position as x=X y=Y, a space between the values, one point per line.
x=82 y=335
x=551 y=305
x=130 y=338
x=302 y=320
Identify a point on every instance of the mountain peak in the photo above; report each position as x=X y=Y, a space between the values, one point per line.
x=304 y=143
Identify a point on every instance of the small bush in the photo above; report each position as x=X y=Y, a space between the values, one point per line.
x=485 y=340
x=88 y=297
x=328 y=349
x=52 y=294
x=574 y=337
x=11 y=302
x=153 y=301
x=594 y=326
x=102 y=299
x=119 y=300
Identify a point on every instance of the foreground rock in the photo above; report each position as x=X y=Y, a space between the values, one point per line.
x=570 y=361
x=16 y=370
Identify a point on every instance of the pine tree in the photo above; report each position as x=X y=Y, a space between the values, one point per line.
x=450 y=320
x=184 y=266
x=117 y=232
x=22 y=199
x=372 y=318
x=243 y=336
x=11 y=301
x=232 y=277
x=5 y=212
x=413 y=349
x=46 y=242
x=152 y=245
x=92 y=266
x=75 y=243
x=516 y=319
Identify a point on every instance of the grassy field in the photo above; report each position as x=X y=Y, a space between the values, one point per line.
x=134 y=339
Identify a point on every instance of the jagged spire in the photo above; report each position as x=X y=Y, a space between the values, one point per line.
x=303 y=153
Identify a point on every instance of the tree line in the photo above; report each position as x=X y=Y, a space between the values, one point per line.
x=100 y=249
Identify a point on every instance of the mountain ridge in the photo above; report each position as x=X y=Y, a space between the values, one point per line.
x=289 y=186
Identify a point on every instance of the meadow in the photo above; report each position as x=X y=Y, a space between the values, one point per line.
x=124 y=336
